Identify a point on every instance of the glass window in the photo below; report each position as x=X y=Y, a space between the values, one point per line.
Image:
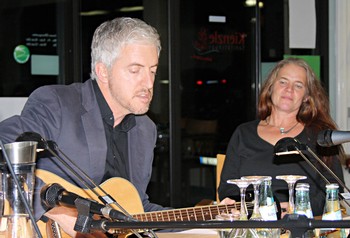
x=29 y=47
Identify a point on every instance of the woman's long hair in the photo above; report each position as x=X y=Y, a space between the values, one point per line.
x=314 y=112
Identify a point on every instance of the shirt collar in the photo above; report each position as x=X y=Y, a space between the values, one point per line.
x=107 y=115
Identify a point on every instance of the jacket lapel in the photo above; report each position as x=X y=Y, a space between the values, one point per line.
x=94 y=132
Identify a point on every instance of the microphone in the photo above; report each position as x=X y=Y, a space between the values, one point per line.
x=327 y=138
x=53 y=195
x=78 y=173
x=33 y=136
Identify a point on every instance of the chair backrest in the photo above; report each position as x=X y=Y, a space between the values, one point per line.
x=220 y=162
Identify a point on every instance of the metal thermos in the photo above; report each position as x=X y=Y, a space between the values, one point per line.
x=15 y=220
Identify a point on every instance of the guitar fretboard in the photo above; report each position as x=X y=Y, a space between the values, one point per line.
x=200 y=213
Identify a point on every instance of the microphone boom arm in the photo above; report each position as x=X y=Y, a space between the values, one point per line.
x=312 y=165
x=106 y=198
x=327 y=168
x=290 y=145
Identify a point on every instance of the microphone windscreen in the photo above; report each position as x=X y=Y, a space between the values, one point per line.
x=32 y=136
x=49 y=194
x=324 y=138
x=29 y=136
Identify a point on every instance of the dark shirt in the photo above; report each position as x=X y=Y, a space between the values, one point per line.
x=117 y=140
x=248 y=154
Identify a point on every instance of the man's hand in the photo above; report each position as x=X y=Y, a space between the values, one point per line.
x=284 y=208
x=229 y=201
x=97 y=234
x=66 y=219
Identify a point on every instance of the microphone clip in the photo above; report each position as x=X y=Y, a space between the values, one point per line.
x=85 y=216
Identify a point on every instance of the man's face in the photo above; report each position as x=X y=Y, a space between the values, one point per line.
x=131 y=79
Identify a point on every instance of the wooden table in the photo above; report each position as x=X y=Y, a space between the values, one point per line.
x=203 y=233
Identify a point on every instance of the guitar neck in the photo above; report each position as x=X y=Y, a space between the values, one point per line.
x=200 y=213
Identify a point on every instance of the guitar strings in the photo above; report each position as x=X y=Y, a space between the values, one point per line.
x=196 y=213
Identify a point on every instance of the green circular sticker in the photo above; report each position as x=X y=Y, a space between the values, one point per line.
x=21 y=54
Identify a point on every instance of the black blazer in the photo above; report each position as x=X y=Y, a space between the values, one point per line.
x=70 y=116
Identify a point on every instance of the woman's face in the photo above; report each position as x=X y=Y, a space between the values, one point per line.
x=289 y=89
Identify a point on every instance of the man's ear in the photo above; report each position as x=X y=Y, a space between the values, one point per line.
x=101 y=72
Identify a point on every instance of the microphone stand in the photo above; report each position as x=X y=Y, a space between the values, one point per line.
x=297 y=224
x=328 y=169
x=286 y=145
x=106 y=199
x=86 y=224
x=24 y=200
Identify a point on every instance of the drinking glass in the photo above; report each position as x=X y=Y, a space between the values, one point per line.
x=255 y=181
x=242 y=184
x=227 y=232
x=256 y=216
x=291 y=180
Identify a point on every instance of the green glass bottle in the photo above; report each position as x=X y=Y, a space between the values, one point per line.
x=267 y=208
x=332 y=212
x=303 y=205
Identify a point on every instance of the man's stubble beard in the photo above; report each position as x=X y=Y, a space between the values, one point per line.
x=128 y=105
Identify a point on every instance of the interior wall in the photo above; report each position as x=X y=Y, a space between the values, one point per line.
x=339 y=72
x=10 y=106
x=339 y=78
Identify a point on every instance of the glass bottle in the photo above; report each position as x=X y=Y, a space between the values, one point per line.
x=303 y=205
x=332 y=212
x=267 y=208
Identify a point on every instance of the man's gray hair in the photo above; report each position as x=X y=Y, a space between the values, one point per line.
x=112 y=35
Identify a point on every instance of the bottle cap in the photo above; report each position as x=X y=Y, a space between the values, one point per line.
x=302 y=186
x=332 y=186
x=267 y=178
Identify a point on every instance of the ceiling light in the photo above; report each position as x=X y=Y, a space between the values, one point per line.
x=252 y=3
x=131 y=9
x=94 y=13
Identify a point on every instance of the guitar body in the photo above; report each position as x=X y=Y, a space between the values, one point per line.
x=127 y=196
x=120 y=189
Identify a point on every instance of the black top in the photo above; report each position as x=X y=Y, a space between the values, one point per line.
x=117 y=140
x=248 y=154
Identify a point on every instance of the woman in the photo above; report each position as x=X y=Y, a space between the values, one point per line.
x=292 y=103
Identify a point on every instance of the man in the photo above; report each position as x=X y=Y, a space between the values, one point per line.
x=100 y=124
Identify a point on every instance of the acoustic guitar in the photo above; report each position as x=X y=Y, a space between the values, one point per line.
x=127 y=196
